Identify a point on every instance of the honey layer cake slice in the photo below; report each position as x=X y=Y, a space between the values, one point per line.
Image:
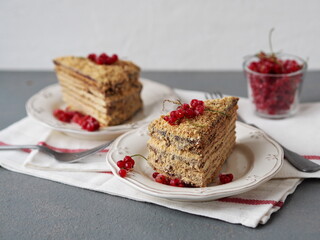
x=110 y=93
x=194 y=150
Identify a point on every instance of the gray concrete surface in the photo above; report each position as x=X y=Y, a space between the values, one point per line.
x=33 y=208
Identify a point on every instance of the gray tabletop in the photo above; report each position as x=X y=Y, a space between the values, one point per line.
x=34 y=208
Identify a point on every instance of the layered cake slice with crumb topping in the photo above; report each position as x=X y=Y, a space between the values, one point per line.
x=107 y=89
x=193 y=148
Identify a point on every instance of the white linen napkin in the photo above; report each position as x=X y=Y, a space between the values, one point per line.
x=248 y=209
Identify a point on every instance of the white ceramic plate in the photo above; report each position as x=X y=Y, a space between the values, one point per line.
x=41 y=107
x=255 y=159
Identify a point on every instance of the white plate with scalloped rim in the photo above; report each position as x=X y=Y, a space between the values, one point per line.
x=41 y=106
x=255 y=159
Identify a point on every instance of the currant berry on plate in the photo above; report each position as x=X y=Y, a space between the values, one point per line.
x=86 y=122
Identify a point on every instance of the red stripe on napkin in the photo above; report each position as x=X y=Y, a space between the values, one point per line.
x=251 y=201
x=25 y=150
x=313 y=157
x=66 y=150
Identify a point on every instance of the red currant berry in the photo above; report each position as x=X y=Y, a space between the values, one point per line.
x=102 y=58
x=199 y=109
x=225 y=178
x=173 y=121
x=173 y=115
x=133 y=162
x=194 y=103
x=201 y=103
x=114 y=58
x=121 y=164
x=104 y=55
x=161 y=179
x=108 y=61
x=155 y=174
x=128 y=165
x=185 y=106
x=166 y=118
x=63 y=116
x=77 y=118
x=100 y=61
x=190 y=113
x=127 y=159
x=253 y=66
x=174 y=182
x=90 y=124
x=122 y=173
x=180 y=113
x=92 y=57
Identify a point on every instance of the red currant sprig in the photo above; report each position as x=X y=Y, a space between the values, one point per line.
x=160 y=178
x=195 y=108
x=225 y=178
x=127 y=164
x=85 y=121
x=271 y=64
x=103 y=58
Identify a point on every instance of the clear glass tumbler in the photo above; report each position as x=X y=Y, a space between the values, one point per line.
x=275 y=95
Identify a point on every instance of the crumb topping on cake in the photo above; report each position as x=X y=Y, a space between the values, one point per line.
x=216 y=110
x=109 y=74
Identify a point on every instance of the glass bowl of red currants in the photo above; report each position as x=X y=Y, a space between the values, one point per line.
x=274 y=83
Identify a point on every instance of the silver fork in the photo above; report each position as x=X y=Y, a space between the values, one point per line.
x=59 y=156
x=299 y=162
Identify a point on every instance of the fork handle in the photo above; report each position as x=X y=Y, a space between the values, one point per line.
x=17 y=147
x=300 y=162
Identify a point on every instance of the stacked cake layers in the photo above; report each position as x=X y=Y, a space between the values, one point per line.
x=195 y=150
x=109 y=93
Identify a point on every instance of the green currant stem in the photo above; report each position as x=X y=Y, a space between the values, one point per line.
x=139 y=155
x=270 y=40
x=178 y=102
x=197 y=125
x=193 y=124
x=223 y=113
x=272 y=54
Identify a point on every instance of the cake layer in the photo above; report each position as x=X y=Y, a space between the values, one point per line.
x=101 y=89
x=81 y=92
x=195 y=145
x=102 y=75
x=117 y=112
x=187 y=155
x=192 y=171
x=195 y=161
